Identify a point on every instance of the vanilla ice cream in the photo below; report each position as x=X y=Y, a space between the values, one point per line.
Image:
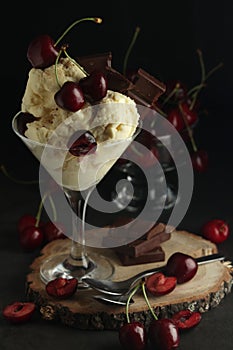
x=112 y=122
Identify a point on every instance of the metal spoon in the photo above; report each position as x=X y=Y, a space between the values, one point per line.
x=113 y=299
x=123 y=287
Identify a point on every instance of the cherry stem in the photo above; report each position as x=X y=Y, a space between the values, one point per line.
x=220 y=65
x=160 y=111
x=147 y=301
x=56 y=63
x=93 y=19
x=172 y=93
x=128 y=301
x=38 y=215
x=190 y=133
x=76 y=63
x=204 y=76
x=22 y=182
x=53 y=208
x=126 y=58
x=41 y=205
x=195 y=88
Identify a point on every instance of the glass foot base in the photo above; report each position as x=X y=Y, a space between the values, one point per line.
x=99 y=267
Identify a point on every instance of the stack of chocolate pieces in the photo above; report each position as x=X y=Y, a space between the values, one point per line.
x=147 y=248
x=145 y=88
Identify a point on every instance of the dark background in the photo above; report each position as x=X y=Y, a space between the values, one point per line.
x=171 y=32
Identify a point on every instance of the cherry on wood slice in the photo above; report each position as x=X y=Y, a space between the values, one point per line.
x=205 y=291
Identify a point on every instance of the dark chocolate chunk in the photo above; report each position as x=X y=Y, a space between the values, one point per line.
x=155 y=255
x=143 y=246
x=98 y=61
x=155 y=230
x=147 y=89
x=117 y=81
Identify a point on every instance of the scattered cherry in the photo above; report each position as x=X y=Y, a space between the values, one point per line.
x=31 y=238
x=81 y=143
x=164 y=334
x=53 y=231
x=158 y=284
x=25 y=221
x=94 y=86
x=41 y=52
x=186 y=319
x=62 y=288
x=182 y=266
x=199 y=160
x=189 y=114
x=133 y=336
x=180 y=117
x=19 y=312
x=175 y=119
x=216 y=230
x=70 y=97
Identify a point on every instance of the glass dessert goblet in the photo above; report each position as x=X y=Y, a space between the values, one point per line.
x=77 y=177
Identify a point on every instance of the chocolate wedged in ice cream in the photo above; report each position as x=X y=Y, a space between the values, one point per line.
x=103 y=62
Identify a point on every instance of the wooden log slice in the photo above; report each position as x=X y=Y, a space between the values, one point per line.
x=205 y=291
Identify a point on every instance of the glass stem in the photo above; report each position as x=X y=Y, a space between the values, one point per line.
x=78 y=254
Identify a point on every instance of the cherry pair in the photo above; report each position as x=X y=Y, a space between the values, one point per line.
x=33 y=233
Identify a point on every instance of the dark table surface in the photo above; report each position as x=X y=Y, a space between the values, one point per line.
x=212 y=198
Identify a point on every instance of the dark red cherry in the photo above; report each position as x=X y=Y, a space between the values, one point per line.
x=175 y=118
x=70 y=97
x=182 y=266
x=26 y=221
x=41 y=52
x=82 y=143
x=158 y=284
x=133 y=336
x=19 y=312
x=164 y=334
x=53 y=231
x=31 y=238
x=62 y=288
x=22 y=120
x=190 y=114
x=200 y=160
x=186 y=319
x=94 y=86
x=216 y=230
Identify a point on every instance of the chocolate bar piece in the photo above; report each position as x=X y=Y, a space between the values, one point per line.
x=103 y=62
x=155 y=255
x=147 y=89
x=155 y=230
x=124 y=230
x=98 y=61
x=143 y=246
x=117 y=81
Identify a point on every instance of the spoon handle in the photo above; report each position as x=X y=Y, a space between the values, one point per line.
x=200 y=261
